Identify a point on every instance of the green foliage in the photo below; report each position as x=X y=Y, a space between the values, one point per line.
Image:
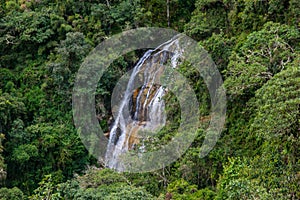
x=255 y=45
x=62 y=68
x=220 y=48
x=22 y=34
x=2 y=164
x=69 y=55
x=54 y=147
x=120 y=15
x=105 y=185
x=46 y=190
x=11 y=194
x=95 y=178
x=260 y=57
x=11 y=108
x=120 y=192
x=293 y=15
x=277 y=105
x=237 y=16
x=179 y=12
x=275 y=123
x=181 y=190
x=235 y=184
x=7 y=78
x=23 y=153
x=210 y=16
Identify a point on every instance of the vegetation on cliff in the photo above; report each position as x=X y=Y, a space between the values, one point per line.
x=256 y=46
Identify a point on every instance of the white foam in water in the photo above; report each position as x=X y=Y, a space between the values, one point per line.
x=149 y=112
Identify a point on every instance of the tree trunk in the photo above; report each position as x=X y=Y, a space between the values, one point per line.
x=168 y=12
x=107 y=2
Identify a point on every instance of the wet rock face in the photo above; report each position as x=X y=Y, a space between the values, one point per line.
x=145 y=104
x=117 y=136
x=132 y=136
x=141 y=99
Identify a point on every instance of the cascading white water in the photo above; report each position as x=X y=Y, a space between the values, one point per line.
x=147 y=105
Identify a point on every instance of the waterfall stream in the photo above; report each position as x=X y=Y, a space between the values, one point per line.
x=141 y=109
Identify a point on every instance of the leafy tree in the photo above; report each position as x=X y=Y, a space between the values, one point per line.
x=235 y=183
x=255 y=45
x=8 y=79
x=22 y=34
x=2 y=164
x=237 y=16
x=11 y=108
x=275 y=123
x=104 y=185
x=11 y=194
x=260 y=57
x=52 y=147
x=292 y=15
x=61 y=71
x=210 y=16
x=277 y=105
x=180 y=189
x=220 y=48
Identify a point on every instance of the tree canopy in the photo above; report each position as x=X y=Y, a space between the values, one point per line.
x=256 y=47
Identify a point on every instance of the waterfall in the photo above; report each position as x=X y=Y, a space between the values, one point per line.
x=145 y=104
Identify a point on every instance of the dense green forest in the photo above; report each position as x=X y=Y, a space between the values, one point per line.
x=255 y=45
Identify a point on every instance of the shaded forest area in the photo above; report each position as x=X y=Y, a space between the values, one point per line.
x=255 y=45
